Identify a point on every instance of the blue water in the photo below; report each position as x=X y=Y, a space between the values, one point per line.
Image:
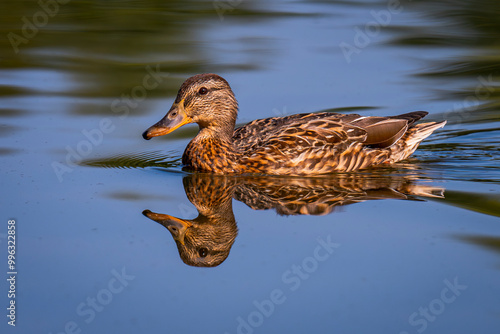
x=77 y=175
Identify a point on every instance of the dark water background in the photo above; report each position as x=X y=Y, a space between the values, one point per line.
x=415 y=250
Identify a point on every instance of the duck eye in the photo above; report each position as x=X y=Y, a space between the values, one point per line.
x=203 y=90
x=203 y=252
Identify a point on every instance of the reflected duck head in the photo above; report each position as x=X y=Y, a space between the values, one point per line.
x=200 y=242
x=205 y=99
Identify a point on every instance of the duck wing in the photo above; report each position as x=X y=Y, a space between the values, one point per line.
x=260 y=131
x=319 y=143
x=380 y=131
x=298 y=144
x=385 y=131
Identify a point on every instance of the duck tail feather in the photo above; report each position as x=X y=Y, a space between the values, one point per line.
x=422 y=131
x=411 y=117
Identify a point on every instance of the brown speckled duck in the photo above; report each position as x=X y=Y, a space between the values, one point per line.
x=301 y=144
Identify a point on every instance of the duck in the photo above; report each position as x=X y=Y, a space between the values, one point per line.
x=298 y=144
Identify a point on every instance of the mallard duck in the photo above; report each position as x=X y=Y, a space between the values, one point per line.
x=301 y=144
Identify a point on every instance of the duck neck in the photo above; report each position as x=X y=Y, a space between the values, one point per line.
x=211 y=150
x=223 y=134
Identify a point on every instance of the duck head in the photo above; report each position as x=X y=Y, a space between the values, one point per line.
x=205 y=99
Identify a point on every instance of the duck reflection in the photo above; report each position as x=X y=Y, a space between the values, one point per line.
x=206 y=240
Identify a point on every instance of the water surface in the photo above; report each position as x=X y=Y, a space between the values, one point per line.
x=409 y=248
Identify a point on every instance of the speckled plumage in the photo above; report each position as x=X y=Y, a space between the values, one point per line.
x=301 y=144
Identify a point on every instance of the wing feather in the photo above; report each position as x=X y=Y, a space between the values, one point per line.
x=319 y=142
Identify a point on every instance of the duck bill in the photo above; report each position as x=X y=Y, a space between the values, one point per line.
x=175 y=118
x=176 y=226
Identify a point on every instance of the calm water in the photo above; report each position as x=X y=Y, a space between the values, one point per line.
x=408 y=249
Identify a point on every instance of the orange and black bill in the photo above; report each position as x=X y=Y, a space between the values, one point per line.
x=175 y=118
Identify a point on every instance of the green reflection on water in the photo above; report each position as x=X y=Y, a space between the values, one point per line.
x=473 y=27
x=104 y=47
x=488 y=242
x=488 y=204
